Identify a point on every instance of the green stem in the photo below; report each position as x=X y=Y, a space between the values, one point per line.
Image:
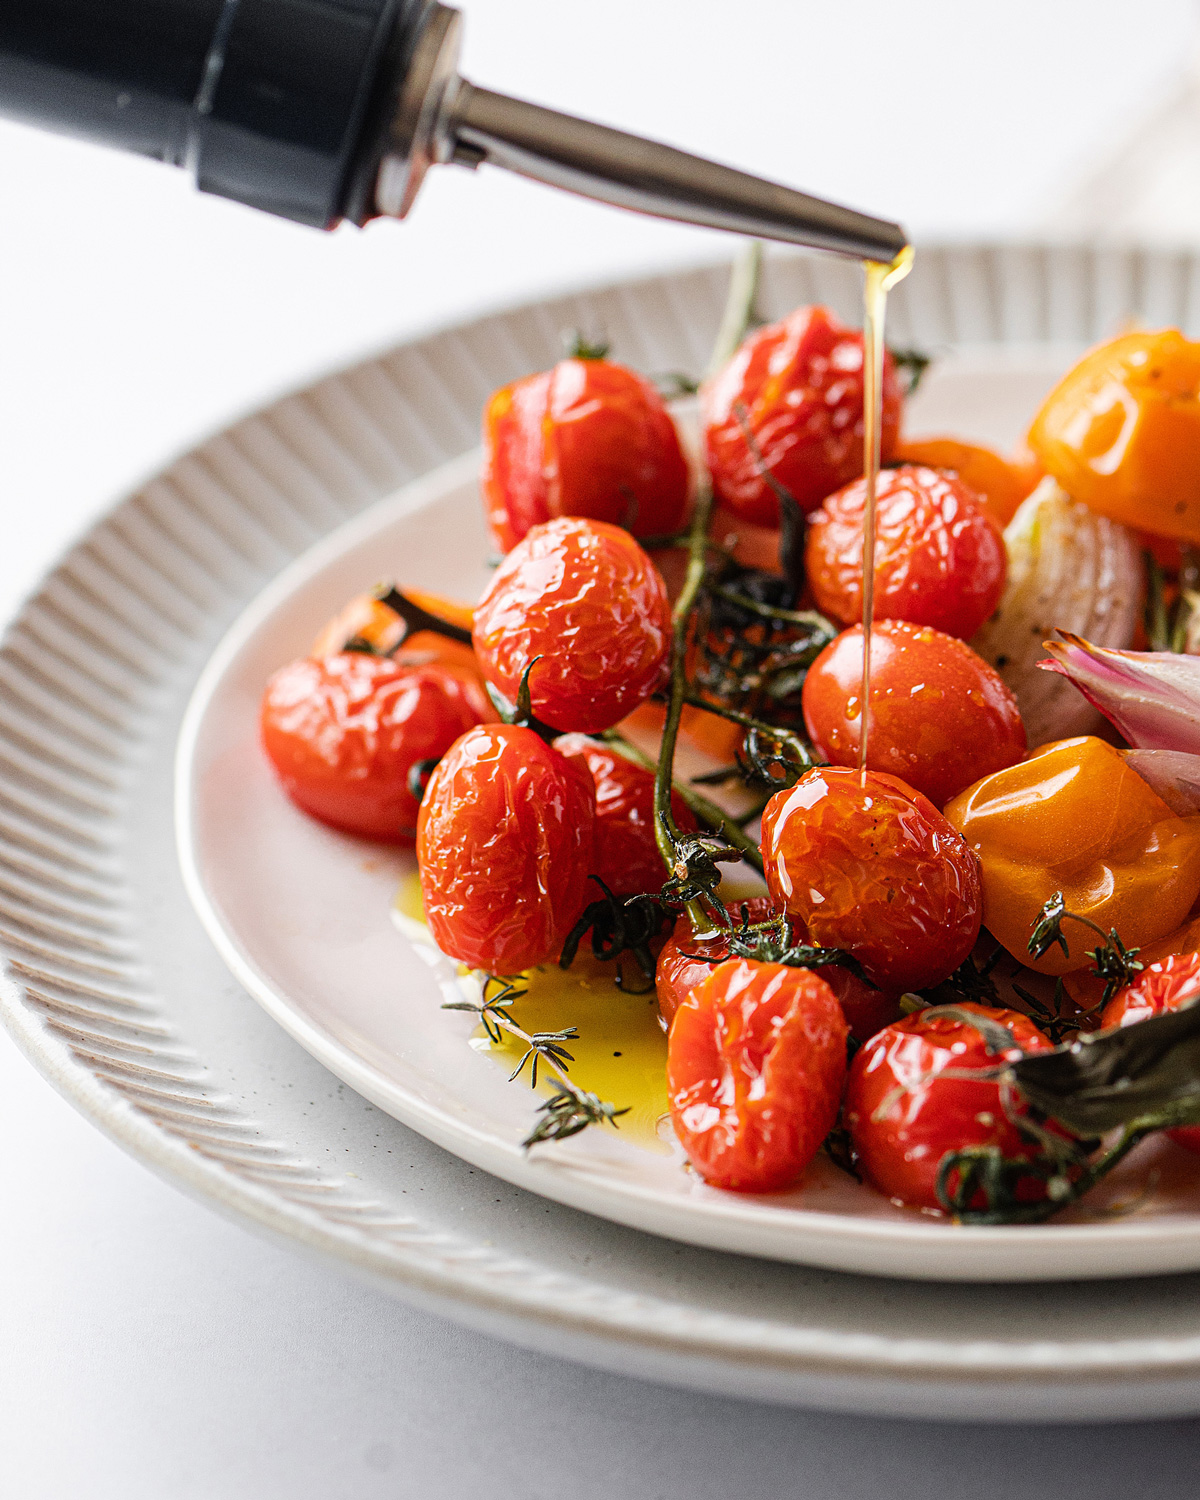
x=784 y=736
x=739 y=305
x=808 y=618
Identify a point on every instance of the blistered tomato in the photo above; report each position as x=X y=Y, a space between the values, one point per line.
x=756 y=1059
x=625 y=854
x=797 y=388
x=939 y=556
x=873 y=868
x=344 y=733
x=1121 y=432
x=504 y=846
x=940 y=716
x=997 y=483
x=587 y=438
x=1076 y=818
x=1161 y=987
x=586 y=599
x=905 y=1114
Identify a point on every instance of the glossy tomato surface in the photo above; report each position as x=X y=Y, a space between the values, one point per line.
x=343 y=733
x=874 y=869
x=940 y=716
x=756 y=1059
x=797 y=388
x=904 y=1114
x=585 y=598
x=625 y=854
x=504 y=846
x=588 y=438
x=1164 y=986
x=939 y=556
x=999 y=484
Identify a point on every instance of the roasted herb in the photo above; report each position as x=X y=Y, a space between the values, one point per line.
x=619 y=927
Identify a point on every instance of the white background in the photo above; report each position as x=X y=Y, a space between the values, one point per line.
x=149 y=1349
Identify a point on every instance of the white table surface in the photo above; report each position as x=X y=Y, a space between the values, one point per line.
x=149 y=1348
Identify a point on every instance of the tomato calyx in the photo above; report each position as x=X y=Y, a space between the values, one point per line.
x=521 y=712
x=772 y=942
x=576 y=345
x=619 y=927
x=1112 y=961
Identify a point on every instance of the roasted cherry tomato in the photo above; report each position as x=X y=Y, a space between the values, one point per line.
x=905 y=1115
x=587 y=438
x=381 y=628
x=625 y=854
x=585 y=598
x=997 y=483
x=1086 y=987
x=940 y=716
x=939 y=556
x=756 y=1059
x=796 y=388
x=1164 y=986
x=872 y=866
x=685 y=960
x=344 y=734
x=504 y=846
x=1121 y=432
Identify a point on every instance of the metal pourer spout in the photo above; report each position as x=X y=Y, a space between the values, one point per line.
x=440 y=117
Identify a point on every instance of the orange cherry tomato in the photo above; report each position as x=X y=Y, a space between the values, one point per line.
x=905 y=1115
x=587 y=438
x=939 y=556
x=871 y=866
x=756 y=1059
x=383 y=629
x=1161 y=987
x=940 y=716
x=585 y=598
x=797 y=388
x=998 y=484
x=344 y=733
x=504 y=847
x=1121 y=432
x=1076 y=818
x=625 y=854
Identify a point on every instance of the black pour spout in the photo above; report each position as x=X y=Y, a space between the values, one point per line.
x=324 y=110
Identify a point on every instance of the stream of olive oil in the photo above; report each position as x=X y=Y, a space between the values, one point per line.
x=880 y=278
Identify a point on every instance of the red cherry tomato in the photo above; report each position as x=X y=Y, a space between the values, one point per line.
x=585 y=598
x=874 y=869
x=344 y=733
x=756 y=1059
x=939 y=556
x=685 y=961
x=1161 y=987
x=588 y=438
x=504 y=846
x=625 y=854
x=797 y=387
x=905 y=1115
x=940 y=716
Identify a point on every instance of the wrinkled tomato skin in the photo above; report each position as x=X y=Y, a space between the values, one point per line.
x=585 y=598
x=939 y=555
x=941 y=717
x=504 y=847
x=876 y=870
x=904 y=1116
x=756 y=1059
x=1161 y=987
x=588 y=438
x=344 y=732
x=797 y=386
x=625 y=855
x=685 y=961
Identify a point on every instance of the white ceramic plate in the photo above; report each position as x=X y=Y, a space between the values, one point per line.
x=301 y=915
x=115 y=992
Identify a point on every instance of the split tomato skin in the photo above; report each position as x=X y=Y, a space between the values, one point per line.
x=904 y=1114
x=941 y=717
x=1160 y=988
x=872 y=867
x=756 y=1059
x=588 y=438
x=625 y=854
x=344 y=732
x=797 y=386
x=939 y=555
x=504 y=847
x=585 y=598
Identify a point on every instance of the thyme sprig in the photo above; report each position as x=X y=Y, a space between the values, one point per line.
x=618 y=927
x=1112 y=961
